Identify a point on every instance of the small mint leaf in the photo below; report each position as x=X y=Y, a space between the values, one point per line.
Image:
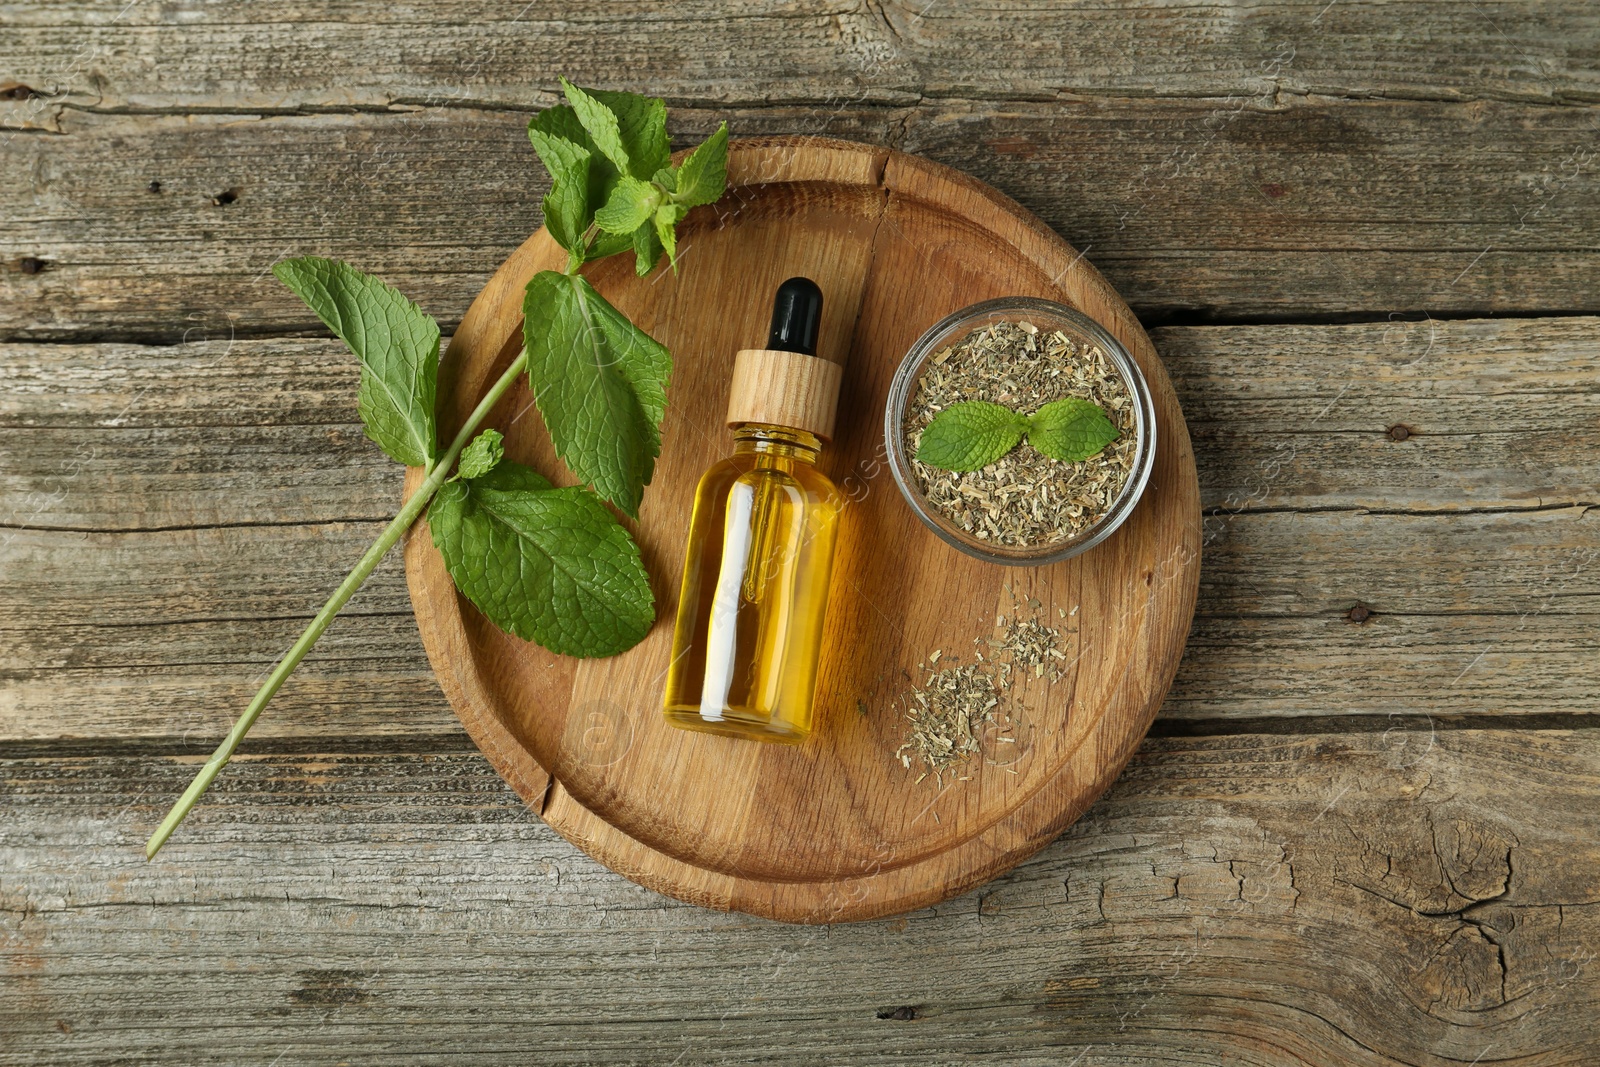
x=559 y=120
x=548 y=565
x=608 y=244
x=1070 y=430
x=397 y=344
x=970 y=435
x=566 y=205
x=510 y=476
x=557 y=135
x=642 y=126
x=631 y=205
x=481 y=456
x=703 y=174
x=600 y=383
x=666 y=221
x=646 y=250
x=600 y=123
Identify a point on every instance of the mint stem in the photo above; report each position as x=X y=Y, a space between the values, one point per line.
x=354 y=580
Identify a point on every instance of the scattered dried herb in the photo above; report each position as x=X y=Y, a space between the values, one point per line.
x=1031 y=644
x=1025 y=498
x=947 y=714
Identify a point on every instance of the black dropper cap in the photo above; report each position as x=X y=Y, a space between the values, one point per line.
x=796 y=317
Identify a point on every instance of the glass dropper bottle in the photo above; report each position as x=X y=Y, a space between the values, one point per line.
x=755 y=582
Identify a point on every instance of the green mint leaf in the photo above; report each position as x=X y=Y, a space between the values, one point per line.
x=608 y=244
x=601 y=124
x=548 y=565
x=631 y=205
x=642 y=126
x=970 y=435
x=1070 y=429
x=646 y=250
x=635 y=146
x=480 y=457
x=582 y=180
x=704 y=172
x=511 y=476
x=666 y=221
x=559 y=120
x=566 y=205
x=560 y=123
x=397 y=344
x=600 y=383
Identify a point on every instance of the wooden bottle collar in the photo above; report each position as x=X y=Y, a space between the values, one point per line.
x=784 y=389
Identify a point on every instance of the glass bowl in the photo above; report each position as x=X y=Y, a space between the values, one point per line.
x=1047 y=316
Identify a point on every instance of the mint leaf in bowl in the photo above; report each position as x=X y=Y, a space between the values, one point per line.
x=970 y=435
x=1070 y=429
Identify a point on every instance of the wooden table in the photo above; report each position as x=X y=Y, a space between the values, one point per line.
x=1366 y=828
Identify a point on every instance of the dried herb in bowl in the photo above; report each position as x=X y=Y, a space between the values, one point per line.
x=1025 y=497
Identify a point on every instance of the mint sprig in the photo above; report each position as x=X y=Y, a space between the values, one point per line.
x=551 y=565
x=600 y=381
x=613 y=185
x=972 y=434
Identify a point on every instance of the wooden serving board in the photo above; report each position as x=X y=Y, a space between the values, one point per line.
x=835 y=829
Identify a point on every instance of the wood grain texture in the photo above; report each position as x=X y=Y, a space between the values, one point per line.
x=1282 y=206
x=474 y=53
x=1385 y=898
x=836 y=829
x=166 y=635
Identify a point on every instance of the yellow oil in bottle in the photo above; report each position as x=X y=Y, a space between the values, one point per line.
x=755 y=589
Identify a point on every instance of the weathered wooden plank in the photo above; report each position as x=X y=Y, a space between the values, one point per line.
x=1296 y=205
x=1391 y=666
x=368 y=681
x=1496 y=414
x=1403 y=897
x=893 y=52
x=385 y=191
x=152 y=646
x=369 y=678
x=1421 y=416
x=1299 y=563
x=1257 y=564
x=204 y=433
x=161 y=633
x=1306 y=205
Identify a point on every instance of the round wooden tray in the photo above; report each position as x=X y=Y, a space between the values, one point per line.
x=835 y=829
